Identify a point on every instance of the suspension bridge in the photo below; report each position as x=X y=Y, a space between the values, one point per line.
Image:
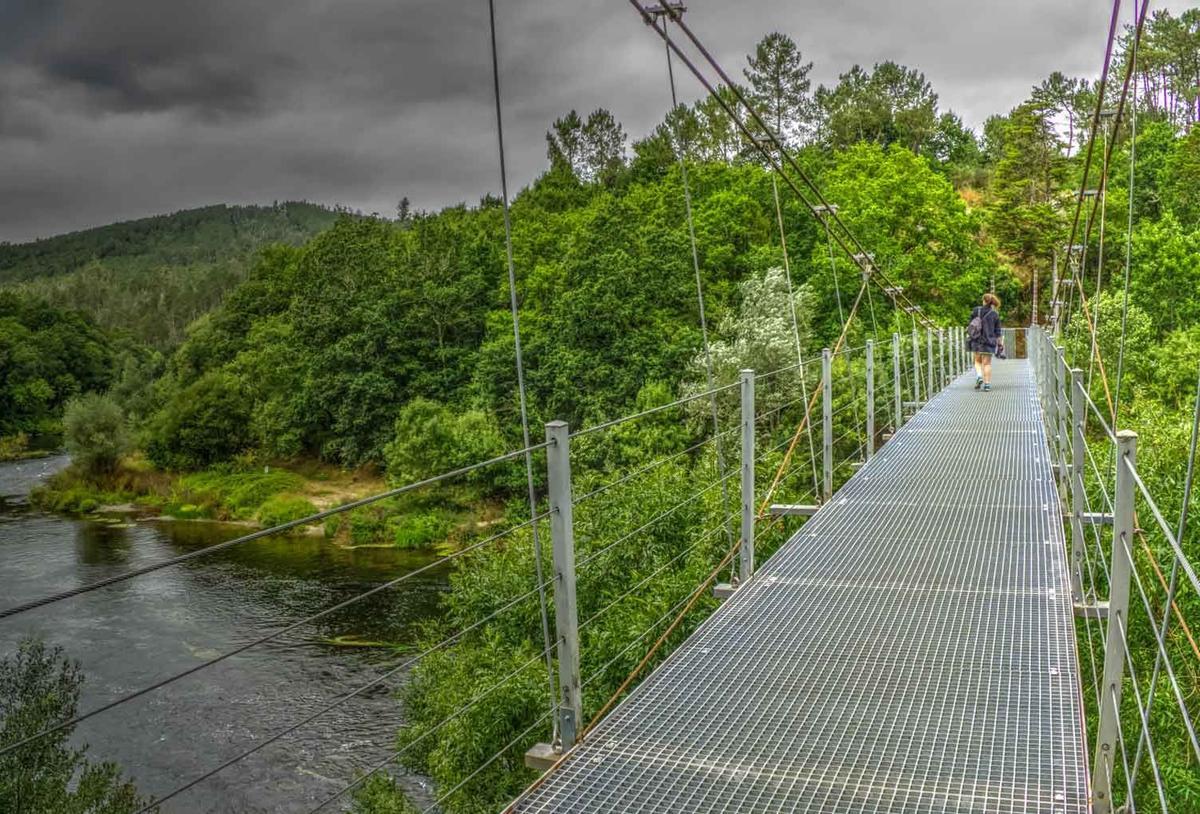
x=945 y=627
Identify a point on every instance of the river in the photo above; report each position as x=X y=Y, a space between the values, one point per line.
x=137 y=632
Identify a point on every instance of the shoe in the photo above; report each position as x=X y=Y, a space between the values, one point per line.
x=987 y=388
x=978 y=383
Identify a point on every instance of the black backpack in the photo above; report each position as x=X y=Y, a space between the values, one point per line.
x=975 y=326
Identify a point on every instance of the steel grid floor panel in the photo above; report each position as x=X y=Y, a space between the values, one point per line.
x=910 y=649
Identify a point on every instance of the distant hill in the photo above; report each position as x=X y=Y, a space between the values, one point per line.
x=153 y=276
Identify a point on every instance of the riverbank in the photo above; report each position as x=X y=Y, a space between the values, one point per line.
x=269 y=495
x=19 y=448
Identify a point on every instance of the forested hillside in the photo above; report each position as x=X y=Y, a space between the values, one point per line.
x=151 y=277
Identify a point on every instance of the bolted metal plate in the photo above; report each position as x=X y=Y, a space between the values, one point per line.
x=910 y=649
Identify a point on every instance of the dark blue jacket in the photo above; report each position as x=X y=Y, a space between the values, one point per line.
x=987 y=342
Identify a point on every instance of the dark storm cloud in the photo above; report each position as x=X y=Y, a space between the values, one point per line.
x=131 y=107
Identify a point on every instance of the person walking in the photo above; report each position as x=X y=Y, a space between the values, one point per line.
x=984 y=335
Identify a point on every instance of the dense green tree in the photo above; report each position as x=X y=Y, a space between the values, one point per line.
x=95 y=432
x=1165 y=262
x=779 y=86
x=1181 y=177
x=39 y=688
x=432 y=438
x=1024 y=216
x=1063 y=96
x=203 y=423
x=592 y=149
x=47 y=356
x=891 y=104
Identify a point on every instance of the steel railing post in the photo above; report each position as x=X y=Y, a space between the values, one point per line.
x=870 y=398
x=930 y=389
x=827 y=423
x=566 y=620
x=916 y=377
x=746 y=560
x=1078 y=542
x=897 y=407
x=942 y=357
x=1104 y=765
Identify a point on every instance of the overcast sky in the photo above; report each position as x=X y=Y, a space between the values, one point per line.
x=126 y=108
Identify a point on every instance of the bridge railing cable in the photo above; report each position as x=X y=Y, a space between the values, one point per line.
x=1134 y=585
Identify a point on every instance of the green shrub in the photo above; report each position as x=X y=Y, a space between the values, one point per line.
x=239 y=494
x=95 y=432
x=283 y=509
x=420 y=530
x=206 y=422
x=430 y=438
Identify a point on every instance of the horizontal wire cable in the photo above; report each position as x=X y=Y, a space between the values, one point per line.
x=342 y=700
x=649 y=467
x=602 y=669
x=392 y=757
x=487 y=763
x=1144 y=714
x=1168 y=533
x=256 y=535
x=625 y=537
x=677 y=403
x=1162 y=648
x=708 y=533
x=268 y=637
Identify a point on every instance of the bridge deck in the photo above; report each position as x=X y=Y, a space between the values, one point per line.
x=910 y=649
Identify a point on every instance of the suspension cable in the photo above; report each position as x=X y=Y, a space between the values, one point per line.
x=787 y=273
x=708 y=365
x=516 y=323
x=1164 y=626
x=772 y=162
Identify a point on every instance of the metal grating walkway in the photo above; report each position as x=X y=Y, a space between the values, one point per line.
x=910 y=649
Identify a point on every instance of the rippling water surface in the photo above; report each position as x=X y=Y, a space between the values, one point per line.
x=137 y=632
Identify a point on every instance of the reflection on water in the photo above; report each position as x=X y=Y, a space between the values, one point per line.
x=140 y=631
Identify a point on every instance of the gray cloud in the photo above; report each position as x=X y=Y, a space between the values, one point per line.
x=133 y=107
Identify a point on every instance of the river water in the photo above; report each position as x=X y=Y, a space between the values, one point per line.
x=137 y=632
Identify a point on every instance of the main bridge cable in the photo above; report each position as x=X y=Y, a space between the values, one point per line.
x=673 y=13
x=862 y=258
x=1077 y=278
x=516 y=324
x=1087 y=164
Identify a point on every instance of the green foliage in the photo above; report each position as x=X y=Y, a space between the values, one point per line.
x=1172 y=377
x=497 y=672
x=95 y=432
x=204 y=423
x=380 y=795
x=891 y=104
x=1166 y=263
x=431 y=438
x=239 y=495
x=1182 y=175
x=918 y=228
x=38 y=689
x=47 y=356
x=1029 y=169
x=154 y=276
x=280 y=509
